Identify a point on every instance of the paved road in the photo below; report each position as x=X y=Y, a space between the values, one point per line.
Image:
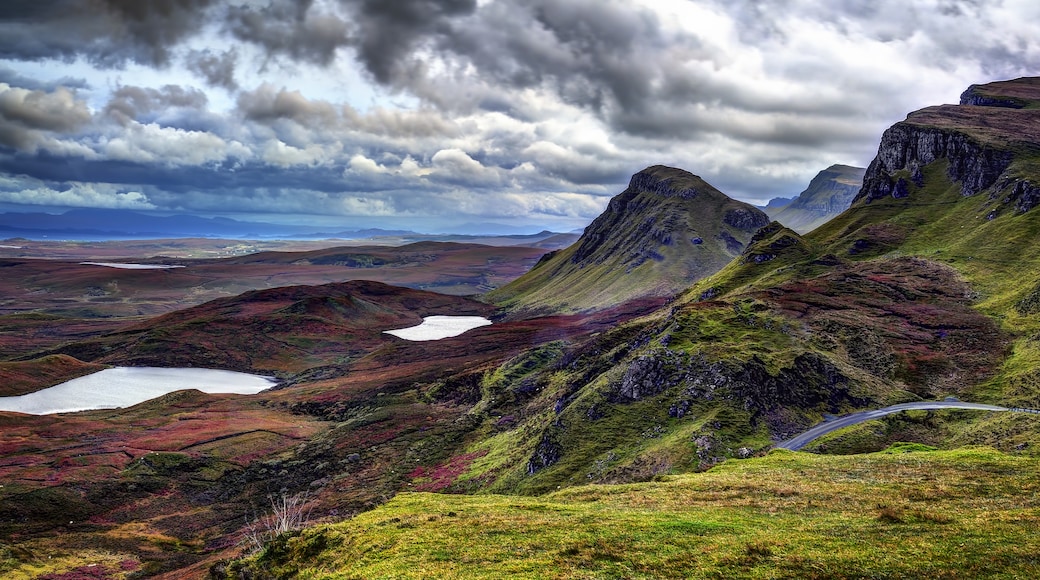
x=797 y=442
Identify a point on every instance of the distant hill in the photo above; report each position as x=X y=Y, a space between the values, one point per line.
x=668 y=229
x=828 y=194
x=287 y=329
x=120 y=224
x=778 y=202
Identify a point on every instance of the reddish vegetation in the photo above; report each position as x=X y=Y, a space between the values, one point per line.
x=440 y=477
x=907 y=318
x=19 y=378
x=279 y=329
x=222 y=452
x=71 y=288
x=53 y=449
x=61 y=301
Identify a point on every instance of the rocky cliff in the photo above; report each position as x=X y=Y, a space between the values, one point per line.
x=828 y=194
x=988 y=142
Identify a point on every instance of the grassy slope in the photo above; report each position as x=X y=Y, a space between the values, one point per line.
x=641 y=246
x=955 y=514
x=922 y=296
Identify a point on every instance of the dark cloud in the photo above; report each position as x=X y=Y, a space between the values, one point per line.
x=218 y=69
x=388 y=32
x=294 y=29
x=26 y=116
x=267 y=104
x=16 y=79
x=129 y=103
x=108 y=33
x=588 y=51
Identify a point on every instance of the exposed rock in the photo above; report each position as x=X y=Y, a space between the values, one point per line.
x=547 y=453
x=651 y=374
x=908 y=147
x=745 y=219
x=811 y=381
x=979 y=138
x=732 y=244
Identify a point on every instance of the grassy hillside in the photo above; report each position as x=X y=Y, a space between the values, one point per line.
x=908 y=512
x=921 y=292
x=924 y=288
x=668 y=229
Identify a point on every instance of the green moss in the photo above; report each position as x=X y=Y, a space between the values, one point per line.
x=908 y=514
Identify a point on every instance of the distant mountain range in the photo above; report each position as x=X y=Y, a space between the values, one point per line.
x=829 y=193
x=116 y=224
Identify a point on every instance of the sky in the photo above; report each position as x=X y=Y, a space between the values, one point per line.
x=428 y=114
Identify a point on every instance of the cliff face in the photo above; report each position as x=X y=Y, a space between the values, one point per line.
x=828 y=194
x=987 y=140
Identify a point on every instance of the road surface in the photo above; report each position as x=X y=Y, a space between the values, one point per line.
x=797 y=442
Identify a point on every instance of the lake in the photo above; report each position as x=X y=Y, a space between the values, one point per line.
x=125 y=386
x=438 y=327
x=123 y=266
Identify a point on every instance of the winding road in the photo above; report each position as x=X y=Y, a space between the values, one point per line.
x=797 y=442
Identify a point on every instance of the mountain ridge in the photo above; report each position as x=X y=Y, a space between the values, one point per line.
x=916 y=291
x=667 y=229
x=829 y=193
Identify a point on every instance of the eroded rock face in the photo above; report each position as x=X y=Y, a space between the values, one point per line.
x=980 y=138
x=547 y=453
x=907 y=147
x=809 y=382
x=746 y=219
x=975 y=96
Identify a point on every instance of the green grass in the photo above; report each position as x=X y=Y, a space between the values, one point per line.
x=907 y=513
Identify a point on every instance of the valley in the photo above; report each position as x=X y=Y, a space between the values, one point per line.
x=618 y=408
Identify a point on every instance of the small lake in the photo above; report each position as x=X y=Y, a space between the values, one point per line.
x=125 y=386
x=438 y=327
x=132 y=266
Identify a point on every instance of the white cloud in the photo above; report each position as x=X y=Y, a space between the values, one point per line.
x=150 y=143
x=93 y=195
x=506 y=108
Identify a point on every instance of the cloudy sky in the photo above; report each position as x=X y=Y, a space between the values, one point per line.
x=430 y=113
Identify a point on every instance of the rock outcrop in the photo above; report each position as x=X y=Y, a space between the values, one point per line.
x=980 y=139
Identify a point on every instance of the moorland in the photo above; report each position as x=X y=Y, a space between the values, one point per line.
x=619 y=417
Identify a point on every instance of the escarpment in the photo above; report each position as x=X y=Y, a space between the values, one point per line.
x=987 y=141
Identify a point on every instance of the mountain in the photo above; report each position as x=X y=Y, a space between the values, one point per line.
x=829 y=193
x=668 y=229
x=115 y=223
x=924 y=288
x=778 y=202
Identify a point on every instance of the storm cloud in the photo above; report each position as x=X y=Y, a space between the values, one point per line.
x=532 y=111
